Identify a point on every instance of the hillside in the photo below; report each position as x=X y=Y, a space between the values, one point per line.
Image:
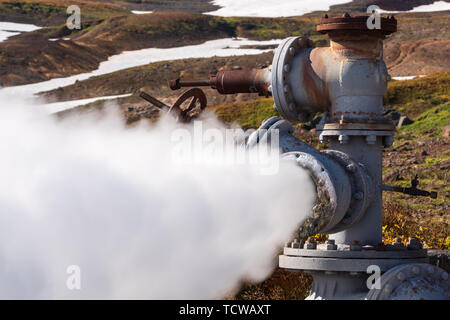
x=419 y=47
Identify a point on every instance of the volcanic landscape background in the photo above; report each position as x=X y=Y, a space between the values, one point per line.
x=418 y=52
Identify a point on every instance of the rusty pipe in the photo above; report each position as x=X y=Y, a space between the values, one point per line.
x=241 y=81
x=178 y=84
x=232 y=82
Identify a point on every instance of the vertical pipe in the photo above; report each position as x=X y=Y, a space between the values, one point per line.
x=369 y=229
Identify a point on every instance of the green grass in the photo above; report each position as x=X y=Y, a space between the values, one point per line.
x=430 y=121
x=413 y=97
x=247 y=114
x=53 y=12
x=267 y=28
x=433 y=161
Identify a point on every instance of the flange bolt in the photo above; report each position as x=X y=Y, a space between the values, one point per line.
x=351 y=167
x=414 y=244
x=310 y=244
x=358 y=195
x=331 y=244
x=355 y=246
x=398 y=244
x=295 y=244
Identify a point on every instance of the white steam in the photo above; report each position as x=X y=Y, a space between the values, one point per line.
x=139 y=225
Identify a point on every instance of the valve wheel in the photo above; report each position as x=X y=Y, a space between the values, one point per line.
x=196 y=105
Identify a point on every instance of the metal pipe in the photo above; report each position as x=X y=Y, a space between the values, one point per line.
x=154 y=101
x=232 y=82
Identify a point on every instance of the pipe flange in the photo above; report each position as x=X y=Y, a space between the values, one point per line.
x=414 y=281
x=281 y=88
x=294 y=263
x=356 y=24
x=322 y=252
x=331 y=202
x=377 y=133
x=362 y=190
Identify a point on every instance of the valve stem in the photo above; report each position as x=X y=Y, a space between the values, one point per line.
x=413 y=191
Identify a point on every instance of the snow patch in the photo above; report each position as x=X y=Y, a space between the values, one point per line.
x=271 y=8
x=436 y=6
x=130 y=59
x=9 y=29
x=141 y=12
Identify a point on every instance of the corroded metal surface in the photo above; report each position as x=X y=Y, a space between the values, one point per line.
x=181 y=112
x=231 y=82
x=241 y=81
x=297 y=91
x=358 y=24
x=196 y=105
x=333 y=192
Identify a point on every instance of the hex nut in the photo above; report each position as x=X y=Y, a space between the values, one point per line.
x=310 y=244
x=330 y=244
x=414 y=244
x=355 y=246
x=323 y=138
x=295 y=244
x=398 y=244
x=358 y=195
x=371 y=139
x=388 y=141
x=401 y=276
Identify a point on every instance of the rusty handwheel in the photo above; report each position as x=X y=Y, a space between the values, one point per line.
x=196 y=105
x=179 y=109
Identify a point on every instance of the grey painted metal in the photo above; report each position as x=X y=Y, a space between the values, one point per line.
x=418 y=281
x=368 y=229
x=338 y=264
x=338 y=286
x=363 y=254
x=347 y=82
x=344 y=187
x=283 y=89
x=361 y=187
